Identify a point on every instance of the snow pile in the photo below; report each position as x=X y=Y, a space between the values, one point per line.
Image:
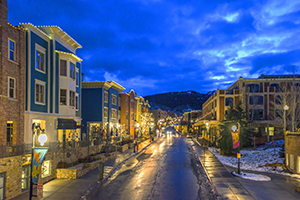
x=263 y=159
x=254 y=177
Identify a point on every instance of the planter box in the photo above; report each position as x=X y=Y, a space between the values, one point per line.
x=123 y=148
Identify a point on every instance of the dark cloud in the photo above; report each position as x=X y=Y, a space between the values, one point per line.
x=173 y=45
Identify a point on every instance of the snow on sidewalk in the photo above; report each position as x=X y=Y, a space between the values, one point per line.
x=255 y=160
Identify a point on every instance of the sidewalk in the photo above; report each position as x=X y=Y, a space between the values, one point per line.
x=76 y=189
x=225 y=183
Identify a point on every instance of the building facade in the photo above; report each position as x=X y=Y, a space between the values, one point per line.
x=129 y=113
x=101 y=111
x=12 y=101
x=53 y=83
x=260 y=99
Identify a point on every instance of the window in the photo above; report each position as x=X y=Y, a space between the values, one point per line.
x=76 y=102
x=39 y=93
x=291 y=161
x=77 y=79
x=132 y=105
x=39 y=59
x=63 y=67
x=63 y=97
x=298 y=165
x=114 y=114
x=12 y=50
x=132 y=116
x=229 y=101
x=257 y=114
x=72 y=70
x=253 y=87
x=126 y=115
x=126 y=101
x=72 y=98
x=114 y=99
x=9 y=133
x=256 y=100
x=46 y=169
x=2 y=185
x=105 y=112
x=11 y=87
x=287 y=159
x=119 y=101
x=25 y=177
x=105 y=97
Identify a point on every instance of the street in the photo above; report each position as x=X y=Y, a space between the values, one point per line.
x=163 y=171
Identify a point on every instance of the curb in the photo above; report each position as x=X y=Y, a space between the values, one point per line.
x=100 y=183
x=214 y=187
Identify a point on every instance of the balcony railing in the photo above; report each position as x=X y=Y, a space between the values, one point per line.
x=22 y=149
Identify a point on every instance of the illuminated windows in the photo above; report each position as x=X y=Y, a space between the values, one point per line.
x=63 y=97
x=40 y=58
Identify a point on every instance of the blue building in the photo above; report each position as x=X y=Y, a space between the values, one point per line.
x=53 y=83
x=101 y=110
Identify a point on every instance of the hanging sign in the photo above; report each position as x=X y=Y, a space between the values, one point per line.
x=235 y=139
x=39 y=154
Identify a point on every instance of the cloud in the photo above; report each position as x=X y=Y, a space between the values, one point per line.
x=173 y=45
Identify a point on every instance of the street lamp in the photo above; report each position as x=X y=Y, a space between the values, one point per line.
x=42 y=139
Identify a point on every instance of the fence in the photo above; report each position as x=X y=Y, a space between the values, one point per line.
x=22 y=149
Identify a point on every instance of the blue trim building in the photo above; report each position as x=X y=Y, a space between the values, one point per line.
x=53 y=83
x=101 y=111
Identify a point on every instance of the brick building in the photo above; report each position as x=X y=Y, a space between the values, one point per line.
x=12 y=94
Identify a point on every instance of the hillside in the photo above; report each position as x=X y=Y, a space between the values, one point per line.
x=178 y=102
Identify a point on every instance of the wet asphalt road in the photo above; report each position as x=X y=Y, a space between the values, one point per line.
x=163 y=171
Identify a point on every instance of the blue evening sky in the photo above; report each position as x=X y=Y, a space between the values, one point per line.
x=155 y=46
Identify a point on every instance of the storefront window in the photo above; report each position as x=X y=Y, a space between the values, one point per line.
x=25 y=177
x=2 y=175
x=292 y=161
x=46 y=169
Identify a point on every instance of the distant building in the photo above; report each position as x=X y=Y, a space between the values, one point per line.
x=12 y=101
x=158 y=114
x=189 y=119
x=101 y=109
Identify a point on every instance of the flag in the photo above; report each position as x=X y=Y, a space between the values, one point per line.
x=39 y=154
x=235 y=140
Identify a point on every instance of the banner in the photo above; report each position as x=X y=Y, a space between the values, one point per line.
x=235 y=139
x=39 y=154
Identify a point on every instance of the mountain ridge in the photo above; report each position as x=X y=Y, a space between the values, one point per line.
x=178 y=102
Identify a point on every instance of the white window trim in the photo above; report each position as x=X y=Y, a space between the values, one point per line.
x=66 y=96
x=105 y=92
x=42 y=50
x=114 y=110
x=40 y=83
x=66 y=67
x=76 y=72
x=114 y=96
x=70 y=98
x=77 y=95
x=14 y=59
x=8 y=88
x=105 y=108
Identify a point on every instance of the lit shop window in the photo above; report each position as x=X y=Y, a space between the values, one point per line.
x=46 y=169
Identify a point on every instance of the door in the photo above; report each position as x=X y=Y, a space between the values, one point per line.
x=2 y=186
x=25 y=177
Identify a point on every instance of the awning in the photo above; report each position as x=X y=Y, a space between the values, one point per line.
x=66 y=124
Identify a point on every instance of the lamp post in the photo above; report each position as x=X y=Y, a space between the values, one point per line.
x=207 y=131
x=42 y=139
x=284 y=119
